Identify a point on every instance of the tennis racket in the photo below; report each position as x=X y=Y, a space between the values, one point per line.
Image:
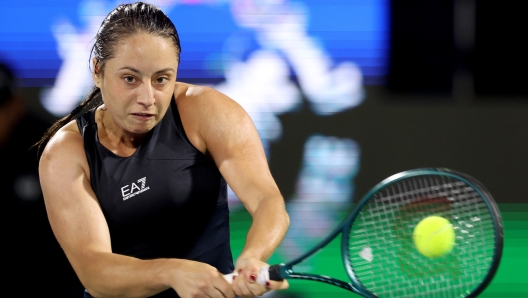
x=377 y=247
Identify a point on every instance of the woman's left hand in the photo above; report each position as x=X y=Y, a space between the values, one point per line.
x=245 y=279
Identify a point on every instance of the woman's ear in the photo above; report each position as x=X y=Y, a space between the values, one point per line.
x=96 y=72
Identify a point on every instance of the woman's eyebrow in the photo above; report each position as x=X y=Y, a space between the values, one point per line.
x=137 y=71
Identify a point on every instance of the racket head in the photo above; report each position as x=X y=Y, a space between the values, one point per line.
x=377 y=246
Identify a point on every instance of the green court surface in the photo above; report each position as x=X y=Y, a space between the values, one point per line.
x=510 y=280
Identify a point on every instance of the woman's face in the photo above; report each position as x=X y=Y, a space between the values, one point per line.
x=137 y=85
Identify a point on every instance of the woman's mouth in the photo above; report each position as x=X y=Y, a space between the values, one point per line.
x=142 y=116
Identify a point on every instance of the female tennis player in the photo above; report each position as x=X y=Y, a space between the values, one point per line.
x=134 y=179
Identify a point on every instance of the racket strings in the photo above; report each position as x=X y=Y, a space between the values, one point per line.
x=382 y=252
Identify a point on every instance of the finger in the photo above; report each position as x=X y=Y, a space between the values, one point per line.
x=253 y=285
x=277 y=285
x=240 y=286
x=235 y=287
x=212 y=292
x=222 y=294
x=256 y=289
x=263 y=275
x=223 y=286
x=216 y=293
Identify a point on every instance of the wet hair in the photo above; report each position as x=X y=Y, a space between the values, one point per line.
x=124 y=21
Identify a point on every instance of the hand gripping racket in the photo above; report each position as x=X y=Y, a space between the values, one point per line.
x=377 y=247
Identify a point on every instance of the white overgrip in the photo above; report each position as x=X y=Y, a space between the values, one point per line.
x=262 y=276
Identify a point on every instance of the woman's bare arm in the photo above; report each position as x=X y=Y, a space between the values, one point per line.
x=226 y=132
x=81 y=229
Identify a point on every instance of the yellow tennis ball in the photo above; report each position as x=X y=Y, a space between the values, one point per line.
x=434 y=236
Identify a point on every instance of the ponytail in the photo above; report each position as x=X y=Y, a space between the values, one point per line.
x=90 y=101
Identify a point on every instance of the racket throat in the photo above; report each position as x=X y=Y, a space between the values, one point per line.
x=285 y=271
x=324 y=279
x=280 y=272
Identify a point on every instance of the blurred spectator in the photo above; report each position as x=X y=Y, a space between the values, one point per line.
x=36 y=265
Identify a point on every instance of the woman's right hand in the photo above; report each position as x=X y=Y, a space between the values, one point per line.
x=194 y=279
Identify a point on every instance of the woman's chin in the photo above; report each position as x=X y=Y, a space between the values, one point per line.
x=140 y=130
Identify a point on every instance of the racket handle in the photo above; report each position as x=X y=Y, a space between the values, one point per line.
x=265 y=274
x=274 y=273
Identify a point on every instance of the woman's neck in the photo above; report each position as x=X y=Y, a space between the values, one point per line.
x=114 y=137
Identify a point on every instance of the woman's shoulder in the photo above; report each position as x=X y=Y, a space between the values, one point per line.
x=203 y=99
x=186 y=91
x=66 y=142
x=206 y=112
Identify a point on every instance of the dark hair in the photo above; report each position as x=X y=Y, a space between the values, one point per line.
x=124 y=21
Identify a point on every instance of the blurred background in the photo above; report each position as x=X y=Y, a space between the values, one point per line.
x=344 y=93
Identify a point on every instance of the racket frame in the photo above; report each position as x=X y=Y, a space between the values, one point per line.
x=285 y=270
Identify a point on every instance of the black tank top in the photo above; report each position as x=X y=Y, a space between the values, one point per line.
x=167 y=200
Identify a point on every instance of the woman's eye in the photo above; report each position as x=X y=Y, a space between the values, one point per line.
x=129 y=79
x=161 y=80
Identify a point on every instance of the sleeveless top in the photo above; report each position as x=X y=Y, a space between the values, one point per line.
x=167 y=200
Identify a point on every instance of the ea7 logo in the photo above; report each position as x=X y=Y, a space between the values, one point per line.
x=134 y=189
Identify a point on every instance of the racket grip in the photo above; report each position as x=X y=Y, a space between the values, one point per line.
x=274 y=273
x=265 y=274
